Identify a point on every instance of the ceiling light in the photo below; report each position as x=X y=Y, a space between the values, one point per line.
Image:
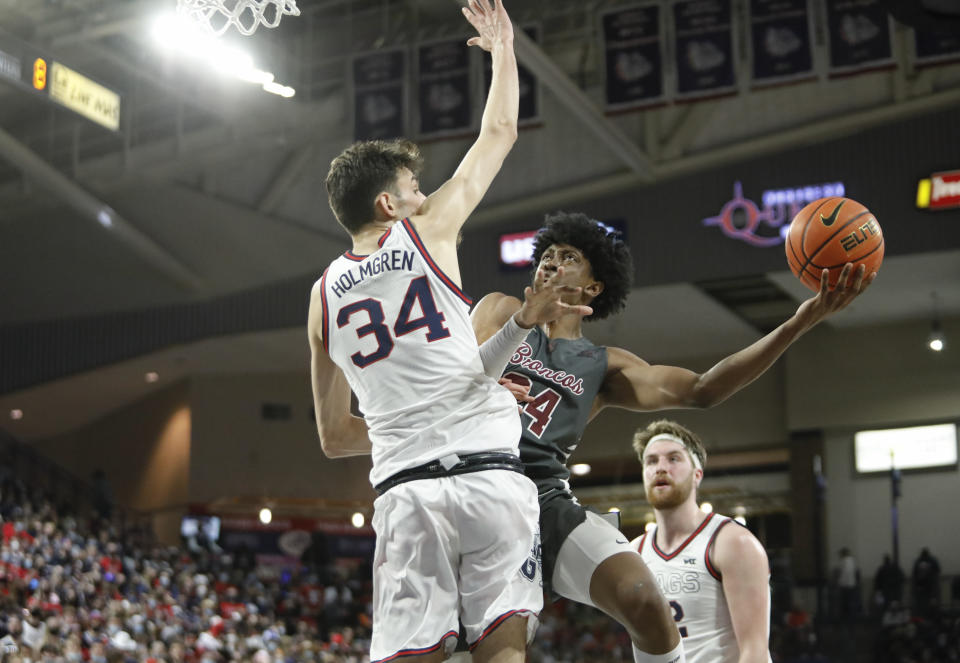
x=579 y=469
x=613 y=509
x=741 y=520
x=182 y=37
x=649 y=526
x=936 y=341
x=16 y=414
x=278 y=89
x=706 y=507
x=357 y=520
x=266 y=515
x=152 y=376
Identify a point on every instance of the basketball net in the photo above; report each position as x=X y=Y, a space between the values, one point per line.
x=218 y=16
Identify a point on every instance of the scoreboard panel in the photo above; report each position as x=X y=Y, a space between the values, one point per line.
x=29 y=69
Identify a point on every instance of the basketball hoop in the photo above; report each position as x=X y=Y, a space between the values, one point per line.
x=217 y=16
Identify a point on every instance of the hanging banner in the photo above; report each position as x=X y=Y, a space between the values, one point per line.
x=529 y=88
x=780 y=41
x=704 y=48
x=379 y=95
x=859 y=35
x=443 y=87
x=633 y=53
x=935 y=47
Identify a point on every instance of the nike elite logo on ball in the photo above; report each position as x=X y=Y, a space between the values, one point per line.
x=828 y=220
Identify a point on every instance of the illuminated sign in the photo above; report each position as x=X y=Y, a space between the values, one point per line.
x=941 y=191
x=84 y=96
x=516 y=249
x=740 y=218
x=10 y=66
x=36 y=72
x=39 y=74
x=906 y=448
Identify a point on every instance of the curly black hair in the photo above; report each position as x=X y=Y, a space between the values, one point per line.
x=609 y=256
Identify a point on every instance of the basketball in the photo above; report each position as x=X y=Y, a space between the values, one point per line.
x=827 y=234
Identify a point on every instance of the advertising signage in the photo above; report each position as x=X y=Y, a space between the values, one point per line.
x=767 y=224
x=939 y=191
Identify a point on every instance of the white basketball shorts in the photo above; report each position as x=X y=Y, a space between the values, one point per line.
x=460 y=549
x=590 y=543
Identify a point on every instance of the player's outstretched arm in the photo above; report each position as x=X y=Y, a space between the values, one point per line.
x=444 y=212
x=636 y=385
x=745 y=572
x=341 y=433
x=501 y=322
x=539 y=306
x=850 y=285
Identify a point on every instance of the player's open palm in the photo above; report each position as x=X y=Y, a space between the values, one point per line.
x=850 y=285
x=545 y=303
x=492 y=24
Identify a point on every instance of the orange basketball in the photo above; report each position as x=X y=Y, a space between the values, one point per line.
x=827 y=234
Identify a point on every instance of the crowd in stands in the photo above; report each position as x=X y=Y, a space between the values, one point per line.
x=78 y=588
x=75 y=589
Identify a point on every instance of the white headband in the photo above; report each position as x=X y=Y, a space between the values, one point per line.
x=673 y=438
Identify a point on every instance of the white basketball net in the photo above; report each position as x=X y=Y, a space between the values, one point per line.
x=218 y=16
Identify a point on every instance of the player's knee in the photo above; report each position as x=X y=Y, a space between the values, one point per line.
x=639 y=602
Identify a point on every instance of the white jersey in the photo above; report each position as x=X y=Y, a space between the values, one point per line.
x=399 y=328
x=692 y=586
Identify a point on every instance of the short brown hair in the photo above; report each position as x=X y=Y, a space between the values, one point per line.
x=362 y=172
x=691 y=441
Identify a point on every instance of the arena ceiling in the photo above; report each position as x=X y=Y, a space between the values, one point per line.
x=210 y=187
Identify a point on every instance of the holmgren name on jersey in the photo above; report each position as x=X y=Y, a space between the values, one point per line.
x=388 y=261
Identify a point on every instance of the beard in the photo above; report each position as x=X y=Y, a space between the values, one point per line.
x=677 y=494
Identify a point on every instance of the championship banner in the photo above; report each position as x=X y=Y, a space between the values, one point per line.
x=780 y=41
x=704 y=47
x=633 y=53
x=859 y=35
x=443 y=87
x=935 y=47
x=529 y=88
x=379 y=95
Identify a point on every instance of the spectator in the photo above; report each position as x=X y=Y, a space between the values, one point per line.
x=848 y=586
x=887 y=584
x=926 y=582
x=102 y=494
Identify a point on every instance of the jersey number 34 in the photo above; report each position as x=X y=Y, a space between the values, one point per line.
x=417 y=293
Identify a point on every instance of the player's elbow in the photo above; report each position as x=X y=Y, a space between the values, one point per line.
x=503 y=130
x=332 y=441
x=509 y=133
x=332 y=446
x=705 y=395
x=702 y=399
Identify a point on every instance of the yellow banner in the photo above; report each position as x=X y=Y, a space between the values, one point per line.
x=83 y=96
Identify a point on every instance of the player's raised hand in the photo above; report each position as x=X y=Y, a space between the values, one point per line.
x=492 y=24
x=544 y=303
x=850 y=285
